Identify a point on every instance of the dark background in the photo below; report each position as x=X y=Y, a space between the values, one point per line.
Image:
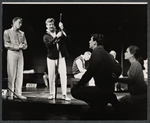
x=121 y=24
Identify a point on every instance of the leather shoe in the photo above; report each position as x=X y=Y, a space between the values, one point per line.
x=20 y=96
x=10 y=97
x=51 y=97
x=65 y=97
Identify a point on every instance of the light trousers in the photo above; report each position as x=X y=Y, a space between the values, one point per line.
x=51 y=64
x=15 y=62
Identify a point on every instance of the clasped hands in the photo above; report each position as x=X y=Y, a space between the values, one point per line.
x=21 y=45
x=61 y=26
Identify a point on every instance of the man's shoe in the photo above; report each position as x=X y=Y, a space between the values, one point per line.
x=15 y=97
x=51 y=97
x=10 y=97
x=20 y=97
x=65 y=97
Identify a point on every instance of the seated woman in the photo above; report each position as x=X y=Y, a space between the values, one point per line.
x=137 y=87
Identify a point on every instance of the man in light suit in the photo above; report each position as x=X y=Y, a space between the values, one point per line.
x=15 y=42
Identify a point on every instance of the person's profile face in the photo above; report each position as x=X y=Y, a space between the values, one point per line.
x=91 y=43
x=127 y=54
x=18 y=24
x=50 y=26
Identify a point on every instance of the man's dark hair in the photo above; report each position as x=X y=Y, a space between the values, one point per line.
x=99 y=38
x=16 y=18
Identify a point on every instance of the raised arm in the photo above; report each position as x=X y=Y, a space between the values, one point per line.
x=49 y=40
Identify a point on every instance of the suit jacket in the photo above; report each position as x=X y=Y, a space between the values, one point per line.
x=52 y=51
x=12 y=39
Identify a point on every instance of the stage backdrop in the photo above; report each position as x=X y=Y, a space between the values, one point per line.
x=122 y=25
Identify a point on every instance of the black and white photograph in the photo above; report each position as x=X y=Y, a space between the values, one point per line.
x=74 y=61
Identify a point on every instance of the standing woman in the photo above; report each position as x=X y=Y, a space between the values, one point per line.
x=135 y=80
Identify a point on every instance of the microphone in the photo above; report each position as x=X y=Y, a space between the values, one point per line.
x=60 y=17
x=60 y=28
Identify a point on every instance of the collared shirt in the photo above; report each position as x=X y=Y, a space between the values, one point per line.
x=13 y=38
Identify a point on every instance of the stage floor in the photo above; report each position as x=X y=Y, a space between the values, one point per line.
x=40 y=94
x=38 y=107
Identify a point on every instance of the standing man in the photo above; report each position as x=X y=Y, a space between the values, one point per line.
x=56 y=53
x=100 y=68
x=15 y=42
x=79 y=67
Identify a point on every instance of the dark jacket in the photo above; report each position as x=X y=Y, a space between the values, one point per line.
x=100 y=67
x=52 y=51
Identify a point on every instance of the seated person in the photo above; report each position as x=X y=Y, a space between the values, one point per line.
x=118 y=86
x=79 y=67
x=137 y=97
x=112 y=52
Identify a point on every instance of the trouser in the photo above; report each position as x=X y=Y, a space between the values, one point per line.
x=15 y=62
x=137 y=102
x=79 y=76
x=62 y=72
x=95 y=96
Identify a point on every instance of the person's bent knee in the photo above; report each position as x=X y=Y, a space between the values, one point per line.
x=74 y=92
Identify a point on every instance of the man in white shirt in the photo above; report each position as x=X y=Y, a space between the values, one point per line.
x=79 y=68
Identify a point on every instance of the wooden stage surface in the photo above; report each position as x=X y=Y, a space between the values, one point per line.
x=38 y=107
